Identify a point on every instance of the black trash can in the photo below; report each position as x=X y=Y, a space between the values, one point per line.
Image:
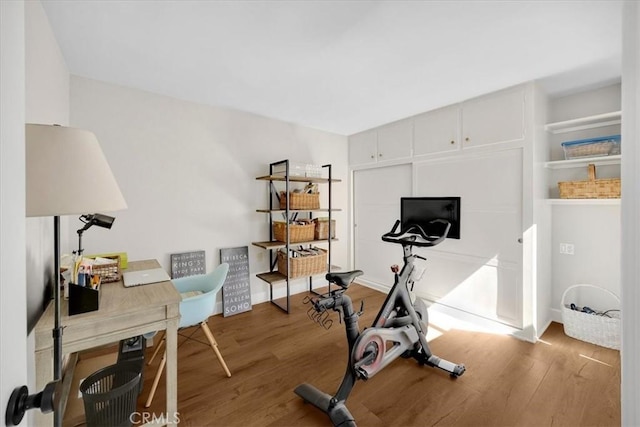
x=110 y=395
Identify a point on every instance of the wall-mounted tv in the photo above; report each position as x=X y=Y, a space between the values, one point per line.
x=421 y=210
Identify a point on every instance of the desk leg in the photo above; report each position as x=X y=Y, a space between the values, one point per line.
x=172 y=371
x=44 y=375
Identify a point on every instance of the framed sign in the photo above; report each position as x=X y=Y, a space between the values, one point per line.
x=236 y=291
x=188 y=264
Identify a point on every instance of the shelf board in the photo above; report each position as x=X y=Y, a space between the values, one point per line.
x=272 y=277
x=275 y=277
x=590 y=122
x=296 y=178
x=295 y=210
x=575 y=163
x=278 y=244
x=577 y=202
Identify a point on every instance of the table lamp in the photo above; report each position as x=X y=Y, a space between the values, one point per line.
x=89 y=221
x=66 y=174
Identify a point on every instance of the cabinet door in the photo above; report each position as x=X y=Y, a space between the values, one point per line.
x=362 y=148
x=437 y=131
x=395 y=140
x=493 y=119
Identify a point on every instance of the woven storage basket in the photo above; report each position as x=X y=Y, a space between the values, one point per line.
x=592 y=188
x=300 y=200
x=108 y=272
x=297 y=233
x=303 y=266
x=322 y=228
x=593 y=328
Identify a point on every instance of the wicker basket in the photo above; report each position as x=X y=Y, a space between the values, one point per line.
x=592 y=328
x=304 y=265
x=300 y=200
x=322 y=228
x=592 y=188
x=108 y=272
x=297 y=232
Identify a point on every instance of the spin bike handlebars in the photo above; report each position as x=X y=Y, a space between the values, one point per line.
x=415 y=235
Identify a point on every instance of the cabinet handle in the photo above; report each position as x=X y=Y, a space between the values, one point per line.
x=467 y=139
x=372 y=156
x=452 y=142
x=520 y=240
x=380 y=155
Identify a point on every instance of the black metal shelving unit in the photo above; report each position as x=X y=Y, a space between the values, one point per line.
x=274 y=277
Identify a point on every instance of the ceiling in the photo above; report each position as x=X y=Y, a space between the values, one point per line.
x=339 y=66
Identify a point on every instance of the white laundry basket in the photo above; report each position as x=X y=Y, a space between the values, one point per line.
x=594 y=328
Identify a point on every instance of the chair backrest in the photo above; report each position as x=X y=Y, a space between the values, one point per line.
x=196 y=309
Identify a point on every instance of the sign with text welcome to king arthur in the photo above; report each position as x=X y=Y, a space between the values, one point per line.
x=236 y=291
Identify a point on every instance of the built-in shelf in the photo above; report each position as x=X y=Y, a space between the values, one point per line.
x=590 y=122
x=576 y=163
x=577 y=202
x=278 y=245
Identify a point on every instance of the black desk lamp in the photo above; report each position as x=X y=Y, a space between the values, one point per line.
x=100 y=220
x=66 y=174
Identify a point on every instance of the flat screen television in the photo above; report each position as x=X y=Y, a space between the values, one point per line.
x=421 y=210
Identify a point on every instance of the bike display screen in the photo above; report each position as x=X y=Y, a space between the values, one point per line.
x=421 y=210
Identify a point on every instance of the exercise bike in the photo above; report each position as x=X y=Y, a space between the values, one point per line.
x=399 y=329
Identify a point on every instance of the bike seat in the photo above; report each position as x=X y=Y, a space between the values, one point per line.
x=343 y=279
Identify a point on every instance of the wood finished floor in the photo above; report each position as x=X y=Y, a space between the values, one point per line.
x=559 y=381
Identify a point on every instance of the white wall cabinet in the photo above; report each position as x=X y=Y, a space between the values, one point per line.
x=506 y=268
x=395 y=141
x=363 y=148
x=437 y=131
x=494 y=119
x=488 y=273
x=390 y=142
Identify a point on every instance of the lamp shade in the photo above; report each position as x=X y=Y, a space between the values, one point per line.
x=67 y=173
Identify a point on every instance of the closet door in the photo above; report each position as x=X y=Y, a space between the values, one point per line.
x=482 y=272
x=376 y=204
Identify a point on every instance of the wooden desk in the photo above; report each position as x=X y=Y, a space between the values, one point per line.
x=124 y=313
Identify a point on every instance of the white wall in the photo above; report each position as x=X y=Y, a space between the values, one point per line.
x=187 y=172
x=630 y=353
x=13 y=325
x=47 y=101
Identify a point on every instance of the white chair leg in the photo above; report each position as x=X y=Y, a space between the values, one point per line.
x=214 y=346
x=156 y=380
x=158 y=347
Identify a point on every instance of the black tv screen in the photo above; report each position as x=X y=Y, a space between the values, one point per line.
x=421 y=210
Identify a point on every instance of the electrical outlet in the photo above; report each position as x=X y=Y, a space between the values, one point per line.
x=567 y=248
